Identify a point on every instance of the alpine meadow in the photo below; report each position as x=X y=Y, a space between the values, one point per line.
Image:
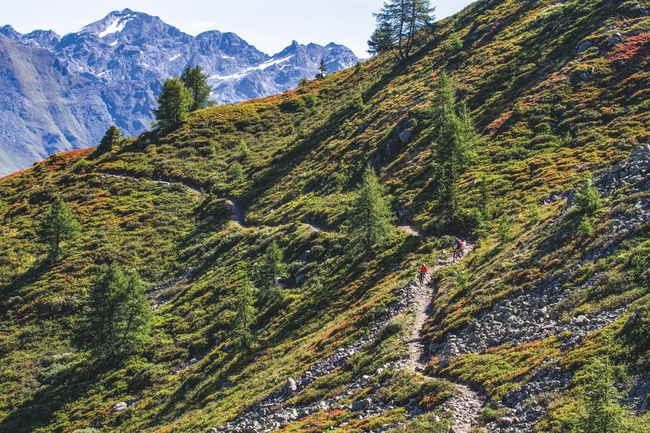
x=253 y=267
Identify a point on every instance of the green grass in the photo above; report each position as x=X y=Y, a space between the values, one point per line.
x=541 y=124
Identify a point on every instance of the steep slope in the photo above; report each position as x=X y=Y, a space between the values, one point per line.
x=558 y=92
x=43 y=106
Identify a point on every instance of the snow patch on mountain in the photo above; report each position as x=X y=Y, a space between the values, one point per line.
x=270 y=63
x=117 y=25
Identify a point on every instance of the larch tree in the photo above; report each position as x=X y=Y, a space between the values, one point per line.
x=242 y=337
x=381 y=40
x=196 y=81
x=57 y=226
x=267 y=269
x=370 y=220
x=175 y=101
x=398 y=23
x=322 y=69
x=110 y=139
x=454 y=139
x=117 y=316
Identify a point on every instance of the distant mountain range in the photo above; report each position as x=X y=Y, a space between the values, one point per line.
x=61 y=93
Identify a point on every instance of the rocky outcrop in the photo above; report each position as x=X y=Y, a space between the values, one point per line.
x=526 y=403
x=633 y=171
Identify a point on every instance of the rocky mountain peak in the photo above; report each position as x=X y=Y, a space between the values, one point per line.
x=125 y=57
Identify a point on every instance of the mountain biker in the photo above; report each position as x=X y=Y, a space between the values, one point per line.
x=458 y=251
x=423 y=272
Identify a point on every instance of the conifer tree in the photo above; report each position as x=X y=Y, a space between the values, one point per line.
x=598 y=408
x=322 y=69
x=588 y=199
x=175 y=101
x=381 y=40
x=453 y=141
x=370 y=217
x=267 y=269
x=398 y=23
x=244 y=317
x=117 y=316
x=110 y=139
x=196 y=82
x=59 y=225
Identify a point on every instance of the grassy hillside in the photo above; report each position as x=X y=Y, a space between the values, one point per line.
x=558 y=92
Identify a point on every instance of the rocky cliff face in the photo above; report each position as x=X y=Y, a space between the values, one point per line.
x=44 y=108
x=122 y=61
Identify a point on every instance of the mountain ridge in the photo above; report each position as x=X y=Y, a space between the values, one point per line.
x=127 y=55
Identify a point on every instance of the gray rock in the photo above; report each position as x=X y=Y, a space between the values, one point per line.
x=615 y=39
x=405 y=136
x=584 y=46
x=120 y=406
x=290 y=387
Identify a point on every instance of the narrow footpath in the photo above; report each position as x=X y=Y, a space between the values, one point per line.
x=466 y=403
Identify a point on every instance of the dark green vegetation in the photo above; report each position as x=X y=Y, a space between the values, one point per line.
x=110 y=139
x=399 y=25
x=196 y=81
x=545 y=113
x=116 y=319
x=57 y=226
x=175 y=102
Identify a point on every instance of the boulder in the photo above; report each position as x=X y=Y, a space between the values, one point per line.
x=615 y=39
x=290 y=387
x=120 y=406
x=584 y=46
x=405 y=136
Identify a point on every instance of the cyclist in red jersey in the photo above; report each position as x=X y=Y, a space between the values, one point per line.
x=423 y=272
x=460 y=248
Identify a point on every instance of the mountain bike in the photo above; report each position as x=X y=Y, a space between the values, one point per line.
x=458 y=253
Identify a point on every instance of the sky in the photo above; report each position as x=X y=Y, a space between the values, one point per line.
x=269 y=25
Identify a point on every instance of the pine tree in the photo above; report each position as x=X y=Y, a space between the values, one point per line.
x=598 y=408
x=175 y=101
x=370 y=217
x=117 y=316
x=244 y=317
x=381 y=40
x=110 y=139
x=322 y=69
x=267 y=269
x=588 y=199
x=197 y=83
x=398 y=23
x=453 y=141
x=59 y=225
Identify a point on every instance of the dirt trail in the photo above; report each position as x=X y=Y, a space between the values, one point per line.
x=467 y=404
x=411 y=230
x=236 y=211
x=159 y=182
